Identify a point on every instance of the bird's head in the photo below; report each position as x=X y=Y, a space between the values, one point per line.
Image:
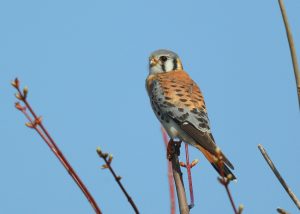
x=162 y=61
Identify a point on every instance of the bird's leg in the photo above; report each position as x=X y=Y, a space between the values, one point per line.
x=177 y=147
x=172 y=148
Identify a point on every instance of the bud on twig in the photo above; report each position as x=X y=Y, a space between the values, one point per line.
x=223 y=180
x=240 y=209
x=38 y=120
x=104 y=166
x=18 y=96
x=25 y=92
x=29 y=125
x=15 y=83
x=110 y=158
x=194 y=163
x=229 y=177
x=182 y=164
x=19 y=106
x=99 y=151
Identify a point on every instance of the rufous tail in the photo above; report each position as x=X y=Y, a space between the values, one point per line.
x=222 y=168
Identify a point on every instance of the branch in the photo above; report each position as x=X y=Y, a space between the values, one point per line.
x=281 y=211
x=225 y=182
x=281 y=180
x=108 y=159
x=292 y=47
x=177 y=175
x=170 y=175
x=188 y=167
x=36 y=124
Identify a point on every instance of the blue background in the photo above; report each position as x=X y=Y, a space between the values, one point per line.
x=85 y=63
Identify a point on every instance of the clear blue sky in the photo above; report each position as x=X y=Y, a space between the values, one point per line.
x=85 y=63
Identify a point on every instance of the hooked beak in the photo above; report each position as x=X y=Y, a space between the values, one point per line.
x=153 y=61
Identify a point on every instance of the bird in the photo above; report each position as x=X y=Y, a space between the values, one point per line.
x=179 y=105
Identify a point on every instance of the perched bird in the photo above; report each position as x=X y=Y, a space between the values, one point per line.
x=179 y=105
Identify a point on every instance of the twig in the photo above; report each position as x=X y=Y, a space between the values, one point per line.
x=292 y=47
x=188 y=168
x=177 y=175
x=108 y=159
x=230 y=197
x=170 y=175
x=281 y=180
x=225 y=182
x=36 y=124
x=281 y=211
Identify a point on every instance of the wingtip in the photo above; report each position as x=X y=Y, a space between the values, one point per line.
x=226 y=171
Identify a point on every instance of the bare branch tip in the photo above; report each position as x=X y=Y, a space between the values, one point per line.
x=281 y=211
x=15 y=83
x=99 y=151
x=240 y=208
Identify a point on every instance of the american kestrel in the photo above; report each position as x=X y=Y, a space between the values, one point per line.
x=179 y=105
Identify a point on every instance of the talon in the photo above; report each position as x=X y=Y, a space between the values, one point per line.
x=177 y=147
x=170 y=149
x=173 y=146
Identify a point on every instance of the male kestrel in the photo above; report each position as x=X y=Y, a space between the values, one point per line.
x=179 y=105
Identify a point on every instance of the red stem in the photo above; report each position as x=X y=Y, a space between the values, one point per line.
x=170 y=175
x=230 y=198
x=171 y=188
x=52 y=145
x=225 y=183
x=188 y=168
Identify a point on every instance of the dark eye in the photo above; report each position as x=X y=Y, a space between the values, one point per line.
x=163 y=58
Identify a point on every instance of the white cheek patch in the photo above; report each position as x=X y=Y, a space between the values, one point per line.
x=169 y=66
x=166 y=67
